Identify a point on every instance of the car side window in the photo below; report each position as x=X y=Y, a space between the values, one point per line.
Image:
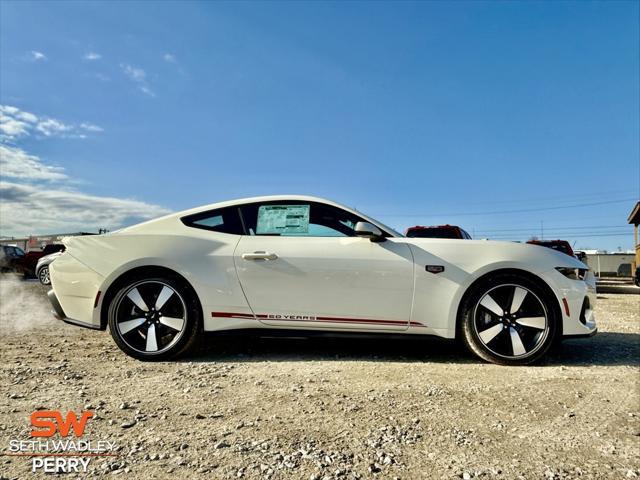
x=224 y=220
x=298 y=219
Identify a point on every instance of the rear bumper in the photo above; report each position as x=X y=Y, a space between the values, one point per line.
x=58 y=312
x=75 y=288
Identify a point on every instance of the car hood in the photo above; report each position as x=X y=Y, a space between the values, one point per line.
x=476 y=252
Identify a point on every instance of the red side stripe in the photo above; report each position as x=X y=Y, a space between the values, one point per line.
x=232 y=315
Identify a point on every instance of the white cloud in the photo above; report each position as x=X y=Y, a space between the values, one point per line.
x=134 y=73
x=11 y=127
x=51 y=127
x=39 y=199
x=139 y=76
x=36 y=56
x=90 y=127
x=29 y=209
x=170 y=58
x=19 y=114
x=16 y=163
x=92 y=56
x=146 y=90
x=15 y=123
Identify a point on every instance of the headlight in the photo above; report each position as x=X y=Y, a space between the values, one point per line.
x=573 y=273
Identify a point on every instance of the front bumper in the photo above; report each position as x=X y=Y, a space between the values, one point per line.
x=581 y=335
x=58 y=312
x=578 y=299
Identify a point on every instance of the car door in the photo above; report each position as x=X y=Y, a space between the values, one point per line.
x=301 y=266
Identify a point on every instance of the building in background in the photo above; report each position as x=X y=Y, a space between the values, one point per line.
x=634 y=219
x=603 y=264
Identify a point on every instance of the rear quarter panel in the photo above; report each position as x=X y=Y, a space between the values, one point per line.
x=203 y=258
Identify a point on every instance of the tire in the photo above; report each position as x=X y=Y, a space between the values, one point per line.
x=509 y=319
x=43 y=275
x=155 y=318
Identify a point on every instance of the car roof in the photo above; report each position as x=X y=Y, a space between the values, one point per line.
x=268 y=198
x=264 y=198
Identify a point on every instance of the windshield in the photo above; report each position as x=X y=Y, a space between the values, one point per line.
x=375 y=222
x=388 y=229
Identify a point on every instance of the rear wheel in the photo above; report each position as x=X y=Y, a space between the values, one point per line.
x=509 y=320
x=154 y=318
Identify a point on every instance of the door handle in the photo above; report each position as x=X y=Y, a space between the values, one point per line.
x=259 y=256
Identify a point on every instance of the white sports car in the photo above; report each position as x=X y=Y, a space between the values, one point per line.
x=304 y=263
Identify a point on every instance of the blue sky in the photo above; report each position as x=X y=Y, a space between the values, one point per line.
x=510 y=119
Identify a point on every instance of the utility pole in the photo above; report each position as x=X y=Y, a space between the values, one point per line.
x=541 y=229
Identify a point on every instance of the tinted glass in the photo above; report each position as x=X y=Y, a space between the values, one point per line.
x=224 y=220
x=433 y=233
x=52 y=248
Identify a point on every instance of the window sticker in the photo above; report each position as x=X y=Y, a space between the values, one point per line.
x=282 y=219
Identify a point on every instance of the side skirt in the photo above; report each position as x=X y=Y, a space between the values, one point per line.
x=293 y=333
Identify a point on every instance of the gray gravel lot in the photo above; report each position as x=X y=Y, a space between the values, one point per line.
x=327 y=408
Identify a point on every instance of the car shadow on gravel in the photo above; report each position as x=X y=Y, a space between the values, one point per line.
x=231 y=348
x=604 y=349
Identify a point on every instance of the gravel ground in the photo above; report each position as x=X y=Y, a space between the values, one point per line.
x=327 y=408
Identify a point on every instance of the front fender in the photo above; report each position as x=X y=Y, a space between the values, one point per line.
x=438 y=295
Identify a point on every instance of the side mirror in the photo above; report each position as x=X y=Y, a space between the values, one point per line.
x=370 y=231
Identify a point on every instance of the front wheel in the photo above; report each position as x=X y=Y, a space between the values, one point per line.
x=508 y=319
x=154 y=318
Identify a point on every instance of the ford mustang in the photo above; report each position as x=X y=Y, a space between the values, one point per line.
x=307 y=264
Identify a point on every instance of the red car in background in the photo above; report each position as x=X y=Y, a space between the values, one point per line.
x=26 y=265
x=559 y=245
x=439 y=231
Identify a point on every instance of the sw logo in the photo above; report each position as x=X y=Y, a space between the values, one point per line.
x=46 y=424
x=48 y=427
x=57 y=444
